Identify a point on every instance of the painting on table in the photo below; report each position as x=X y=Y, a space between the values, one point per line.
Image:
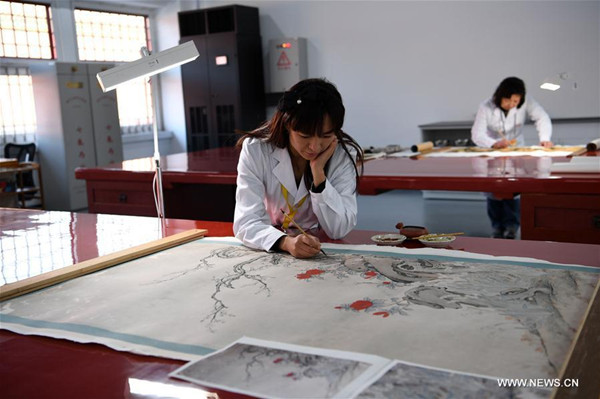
x=440 y=308
x=276 y=370
x=406 y=380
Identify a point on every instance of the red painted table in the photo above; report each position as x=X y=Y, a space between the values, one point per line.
x=201 y=186
x=39 y=367
x=197 y=186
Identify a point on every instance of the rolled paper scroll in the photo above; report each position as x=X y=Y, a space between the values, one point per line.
x=593 y=145
x=426 y=146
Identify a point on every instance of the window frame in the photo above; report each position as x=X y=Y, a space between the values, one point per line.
x=51 y=33
x=64 y=37
x=150 y=16
x=27 y=136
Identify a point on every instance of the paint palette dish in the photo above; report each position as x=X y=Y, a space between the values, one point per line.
x=388 y=239
x=437 y=242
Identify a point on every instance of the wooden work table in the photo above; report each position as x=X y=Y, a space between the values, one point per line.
x=554 y=206
x=43 y=367
x=201 y=185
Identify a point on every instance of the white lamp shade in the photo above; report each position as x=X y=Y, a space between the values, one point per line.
x=147 y=66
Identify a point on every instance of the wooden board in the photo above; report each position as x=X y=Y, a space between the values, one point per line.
x=9 y=162
x=584 y=356
x=92 y=265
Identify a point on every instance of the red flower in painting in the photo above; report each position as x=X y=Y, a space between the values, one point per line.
x=384 y=314
x=290 y=374
x=370 y=274
x=308 y=274
x=361 y=305
x=277 y=360
x=375 y=307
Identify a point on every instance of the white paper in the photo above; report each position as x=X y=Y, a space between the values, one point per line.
x=409 y=380
x=495 y=154
x=455 y=153
x=578 y=165
x=270 y=369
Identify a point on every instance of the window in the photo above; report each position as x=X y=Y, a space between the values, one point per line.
x=18 y=122
x=108 y=36
x=26 y=31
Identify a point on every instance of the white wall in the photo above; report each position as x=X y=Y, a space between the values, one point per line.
x=400 y=64
x=167 y=26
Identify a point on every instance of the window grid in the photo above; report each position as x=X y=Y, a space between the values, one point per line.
x=26 y=31
x=43 y=249
x=18 y=122
x=109 y=36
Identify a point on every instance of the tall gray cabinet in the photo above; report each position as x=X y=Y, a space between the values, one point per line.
x=78 y=126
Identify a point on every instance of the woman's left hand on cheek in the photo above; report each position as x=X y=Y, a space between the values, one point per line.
x=317 y=165
x=319 y=162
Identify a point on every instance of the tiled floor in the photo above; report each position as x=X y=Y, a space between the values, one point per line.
x=382 y=212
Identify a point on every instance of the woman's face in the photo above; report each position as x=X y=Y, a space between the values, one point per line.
x=509 y=103
x=310 y=146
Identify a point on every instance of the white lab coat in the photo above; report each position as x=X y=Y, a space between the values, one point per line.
x=262 y=169
x=490 y=119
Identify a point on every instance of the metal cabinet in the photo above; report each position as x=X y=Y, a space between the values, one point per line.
x=78 y=126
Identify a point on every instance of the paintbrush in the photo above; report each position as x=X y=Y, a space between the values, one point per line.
x=510 y=142
x=298 y=227
x=438 y=235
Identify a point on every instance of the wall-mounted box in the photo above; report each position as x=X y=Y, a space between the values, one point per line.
x=287 y=63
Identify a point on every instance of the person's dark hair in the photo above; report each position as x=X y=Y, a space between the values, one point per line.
x=507 y=88
x=303 y=108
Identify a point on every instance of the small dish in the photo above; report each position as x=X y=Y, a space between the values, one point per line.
x=388 y=239
x=411 y=232
x=437 y=242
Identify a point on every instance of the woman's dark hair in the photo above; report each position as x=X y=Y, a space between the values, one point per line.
x=507 y=88
x=303 y=108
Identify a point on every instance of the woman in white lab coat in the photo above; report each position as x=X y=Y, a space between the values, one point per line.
x=498 y=124
x=301 y=162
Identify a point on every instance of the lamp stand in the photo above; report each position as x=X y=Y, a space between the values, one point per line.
x=160 y=201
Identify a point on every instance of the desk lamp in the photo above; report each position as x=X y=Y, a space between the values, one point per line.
x=146 y=67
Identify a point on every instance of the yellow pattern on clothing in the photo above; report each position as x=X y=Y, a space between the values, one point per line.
x=291 y=209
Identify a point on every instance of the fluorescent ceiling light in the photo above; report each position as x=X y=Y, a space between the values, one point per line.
x=550 y=86
x=147 y=66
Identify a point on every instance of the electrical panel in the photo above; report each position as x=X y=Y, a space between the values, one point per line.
x=287 y=63
x=223 y=89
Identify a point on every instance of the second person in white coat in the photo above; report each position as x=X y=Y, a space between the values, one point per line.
x=498 y=124
x=301 y=162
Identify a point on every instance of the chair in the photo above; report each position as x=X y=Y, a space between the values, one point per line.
x=24 y=153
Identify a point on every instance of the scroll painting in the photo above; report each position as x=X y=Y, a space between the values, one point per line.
x=405 y=380
x=268 y=369
x=277 y=370
x=509 y=318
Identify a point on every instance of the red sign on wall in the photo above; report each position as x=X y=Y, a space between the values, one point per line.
x=284 y=62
